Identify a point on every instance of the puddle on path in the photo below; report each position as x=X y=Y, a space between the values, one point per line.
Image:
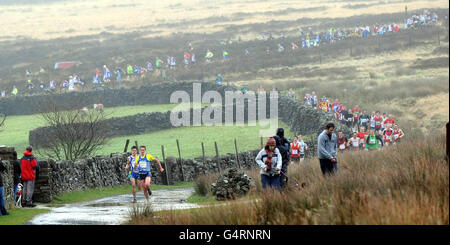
x=112 y=210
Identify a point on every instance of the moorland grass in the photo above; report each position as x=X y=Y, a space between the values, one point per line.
x=405 y=184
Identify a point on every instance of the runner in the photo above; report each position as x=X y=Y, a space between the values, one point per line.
x=356 y=112
x=353 y=143
x=295 y=151
x=314 y=99
x=364 y=120
x=323 y=106
x=389 y=122
x=398 y=134
x=372 y=142
x=303 y=148
x=133 y=174
x=362 y=137
x=378 y=121
x=335 y=107
x=342 y=142
x=343 y=115
x=145 y=170
x=129 y=70
x=388 y=135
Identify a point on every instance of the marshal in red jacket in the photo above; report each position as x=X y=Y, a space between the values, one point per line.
x=28 y=164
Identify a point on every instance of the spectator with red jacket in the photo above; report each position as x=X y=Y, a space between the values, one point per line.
x=28 y=165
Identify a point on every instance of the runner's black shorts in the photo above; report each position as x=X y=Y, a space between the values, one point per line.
x=142 y=176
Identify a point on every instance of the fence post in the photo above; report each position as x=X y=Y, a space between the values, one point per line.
x=217 y=157
x=262 y=145
x=165 y=165
x=237 y=153
x=203 y=152
x=136 y=144
x=179 y=160
x=126 y=145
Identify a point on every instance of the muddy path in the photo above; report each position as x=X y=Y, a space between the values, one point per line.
x=112 y=210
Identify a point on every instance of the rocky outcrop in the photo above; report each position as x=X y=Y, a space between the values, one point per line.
x=232 y=184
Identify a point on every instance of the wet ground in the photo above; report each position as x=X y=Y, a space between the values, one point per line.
x=112 y=210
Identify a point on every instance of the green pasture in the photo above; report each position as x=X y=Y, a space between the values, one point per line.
x=190 y=140
x=16 y=129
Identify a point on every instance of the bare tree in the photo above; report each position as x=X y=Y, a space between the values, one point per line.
x=72 y=133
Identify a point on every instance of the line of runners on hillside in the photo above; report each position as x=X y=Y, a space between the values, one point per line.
x=307 y=39
x=367 y=129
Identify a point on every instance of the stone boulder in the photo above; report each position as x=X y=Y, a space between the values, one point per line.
x=232 y=184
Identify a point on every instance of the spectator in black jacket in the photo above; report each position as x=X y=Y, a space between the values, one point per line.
x=2 y=191
x=17 y=174
x=283 y=146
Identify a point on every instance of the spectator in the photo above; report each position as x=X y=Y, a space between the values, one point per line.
x=28 y=166
x=269 y=160
x=327 y=150
x=17 y=174
x=2 y=191
x=283 y=146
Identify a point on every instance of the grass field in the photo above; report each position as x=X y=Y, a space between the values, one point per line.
x=190 y=139
x=19 y=216
x=16 y=129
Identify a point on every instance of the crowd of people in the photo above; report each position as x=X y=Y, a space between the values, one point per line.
x=381 y=125
x=307 y=39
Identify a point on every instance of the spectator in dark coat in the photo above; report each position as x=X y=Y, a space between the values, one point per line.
x=2 y=191
x=17 y=174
